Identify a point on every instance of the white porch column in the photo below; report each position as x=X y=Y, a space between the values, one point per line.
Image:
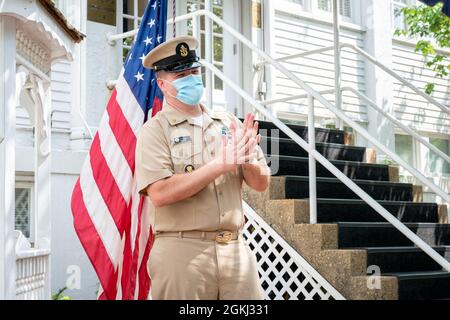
x=79 y=136
x=42 y=150
x=7 y=156
x=379 y=85
x=42 y=166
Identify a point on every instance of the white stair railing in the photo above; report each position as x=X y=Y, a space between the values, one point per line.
x=310 y=148
x=368 y=58
x=373 y=105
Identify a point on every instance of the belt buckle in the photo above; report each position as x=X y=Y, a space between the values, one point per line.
x=224 y=237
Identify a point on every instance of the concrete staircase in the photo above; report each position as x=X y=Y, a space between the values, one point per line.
x=350 y=237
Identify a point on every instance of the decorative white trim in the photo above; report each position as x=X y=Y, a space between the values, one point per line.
x=33 y=52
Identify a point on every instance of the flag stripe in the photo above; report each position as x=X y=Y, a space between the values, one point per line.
x=129 y=105
x=114 y=158
x=107 y=186
x=94 y=248
x=135 y=249
x=122 y=131
x=99 y=213
x=135 y=213
x=144 y=279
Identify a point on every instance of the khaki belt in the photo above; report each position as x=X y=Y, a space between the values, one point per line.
x=223 y=236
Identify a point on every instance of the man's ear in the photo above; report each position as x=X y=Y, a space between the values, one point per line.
x=160 y=84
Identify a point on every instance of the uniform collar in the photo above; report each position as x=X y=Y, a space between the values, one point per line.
x=175 y=116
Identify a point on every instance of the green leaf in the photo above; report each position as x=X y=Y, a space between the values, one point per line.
x=429 y=88
x=431 y=29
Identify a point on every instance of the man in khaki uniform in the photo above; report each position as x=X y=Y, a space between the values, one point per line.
x=191 y=162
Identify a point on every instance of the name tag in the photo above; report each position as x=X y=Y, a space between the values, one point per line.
x=181 y=139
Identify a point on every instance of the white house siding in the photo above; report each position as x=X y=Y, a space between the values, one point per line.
x=409 y=107
x=103 y=63
x=69 y=263
x=295 y=34
x=61 y=95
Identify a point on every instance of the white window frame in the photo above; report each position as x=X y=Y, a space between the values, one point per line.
x=354 y=5
x=120 y=15
x=26 y=182
x=399 y=4
x=311 y=7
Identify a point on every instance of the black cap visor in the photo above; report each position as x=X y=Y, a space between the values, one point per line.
x=184 y=67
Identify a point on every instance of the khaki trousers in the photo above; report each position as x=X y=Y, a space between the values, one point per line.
x=196 y=269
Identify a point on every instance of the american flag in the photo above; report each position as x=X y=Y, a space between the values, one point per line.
x=107 y=209
x=445 y=7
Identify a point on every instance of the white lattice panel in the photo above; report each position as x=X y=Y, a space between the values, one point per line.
x=283 y=272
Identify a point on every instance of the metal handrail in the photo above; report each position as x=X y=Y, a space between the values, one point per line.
x=295 y=97
x=259 y=64
x=370 y=59
x=398 y=122
x=377 y=108
x=314 y=153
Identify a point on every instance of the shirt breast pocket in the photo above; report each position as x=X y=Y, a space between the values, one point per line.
x=186 y=157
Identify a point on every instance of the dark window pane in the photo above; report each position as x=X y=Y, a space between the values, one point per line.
x=202 y=49
x=218 y=49
x=404 y=147
x=142 y=4
x=128 y=24
x=218 y=83
x=128 y=7
x=102 y=11
x=437 y=164
x=22 y=212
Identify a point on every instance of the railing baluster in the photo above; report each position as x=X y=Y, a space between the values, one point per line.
x=312 y=163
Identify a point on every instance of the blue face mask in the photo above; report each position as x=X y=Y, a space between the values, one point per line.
x=189 y=89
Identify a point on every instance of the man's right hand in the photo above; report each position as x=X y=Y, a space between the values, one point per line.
x=236 y=149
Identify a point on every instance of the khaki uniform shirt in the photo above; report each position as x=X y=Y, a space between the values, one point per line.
x=170 y=143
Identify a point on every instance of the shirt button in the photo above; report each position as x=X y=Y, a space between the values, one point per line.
x=220 y=193
x=212 y=153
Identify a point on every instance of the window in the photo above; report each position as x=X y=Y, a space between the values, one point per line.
x=194 y=5
x=404 y=148
x=398 y=21
x=131 y=15
x=345 y=7
x=437 y=164
x=23 y=211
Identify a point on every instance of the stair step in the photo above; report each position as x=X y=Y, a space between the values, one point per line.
x=383 y=234
x=322 y=134
x=288 y=165
x=297 y=187
x=331 y=151
x=355 y=210
x=422 y=285
x=404 y=259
